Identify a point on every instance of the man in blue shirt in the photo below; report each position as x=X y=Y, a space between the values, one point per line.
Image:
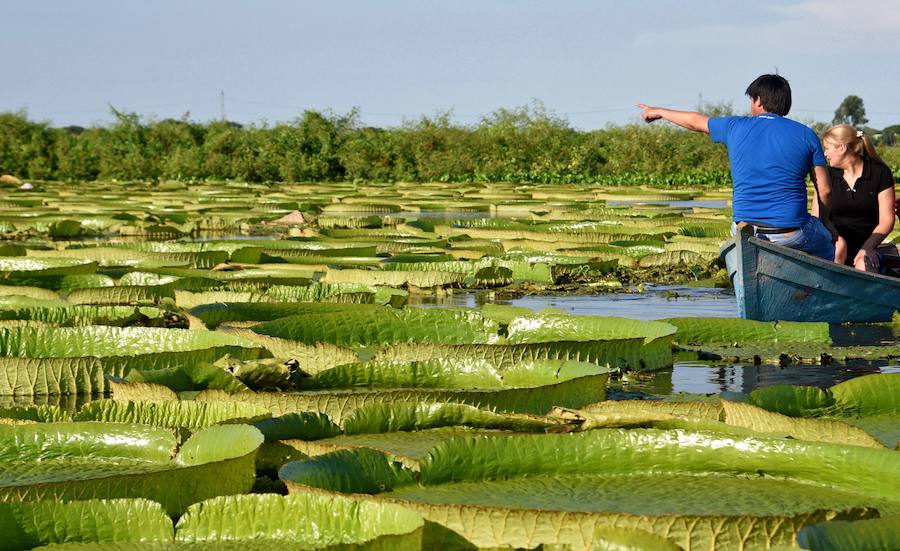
x=770 y=159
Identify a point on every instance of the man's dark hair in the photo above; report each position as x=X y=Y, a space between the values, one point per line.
x=774 y=92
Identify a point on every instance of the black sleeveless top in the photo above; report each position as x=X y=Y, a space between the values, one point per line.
x=854 y=213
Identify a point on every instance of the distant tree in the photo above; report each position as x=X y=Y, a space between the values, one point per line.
x=819 y=127
x=851 y=111
x=716 y=108
x=889 y=134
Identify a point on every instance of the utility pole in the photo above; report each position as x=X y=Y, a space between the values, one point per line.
x=222 y=103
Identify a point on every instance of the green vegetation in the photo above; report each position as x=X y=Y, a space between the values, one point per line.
x=186 y=352
x=527 y=144
x=891 y=156
x=700 y=489
x=519 y=145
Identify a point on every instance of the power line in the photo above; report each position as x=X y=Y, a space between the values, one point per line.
x=298 y=107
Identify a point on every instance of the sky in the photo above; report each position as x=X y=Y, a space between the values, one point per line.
x=396 y=60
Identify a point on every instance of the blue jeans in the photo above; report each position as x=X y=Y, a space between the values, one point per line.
x=812 y=238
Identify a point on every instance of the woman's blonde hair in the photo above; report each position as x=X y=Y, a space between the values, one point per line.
x=857 y=142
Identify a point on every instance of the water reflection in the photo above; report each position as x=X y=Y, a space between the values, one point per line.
x=699 y=378
x=656 y=302
x=692 y=203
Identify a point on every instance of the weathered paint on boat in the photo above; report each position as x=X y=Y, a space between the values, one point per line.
x=776 y=283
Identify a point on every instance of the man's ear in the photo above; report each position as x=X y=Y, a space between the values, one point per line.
x=756 y=105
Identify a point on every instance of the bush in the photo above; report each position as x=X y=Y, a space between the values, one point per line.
x=526 y=144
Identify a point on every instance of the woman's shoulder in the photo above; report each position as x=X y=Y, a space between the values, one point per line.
x=878 y=165
x=878 y=170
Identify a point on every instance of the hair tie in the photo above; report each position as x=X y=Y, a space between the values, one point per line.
x=859 y=133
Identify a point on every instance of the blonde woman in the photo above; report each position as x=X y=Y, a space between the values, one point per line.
x=862 y=197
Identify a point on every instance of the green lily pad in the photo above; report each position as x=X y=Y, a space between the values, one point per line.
x=69 y=461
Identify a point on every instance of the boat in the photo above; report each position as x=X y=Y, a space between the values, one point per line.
x=773 y=283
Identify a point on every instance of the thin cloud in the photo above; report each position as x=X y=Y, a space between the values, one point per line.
x=804 y=27
x=860 y=18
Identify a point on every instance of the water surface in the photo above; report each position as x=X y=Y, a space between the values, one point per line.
x=693 y=376
x=655 y=302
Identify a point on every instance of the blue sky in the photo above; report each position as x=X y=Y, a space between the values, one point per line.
x=589 y=61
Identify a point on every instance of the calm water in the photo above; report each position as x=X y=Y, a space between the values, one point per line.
x=706 y=204
x=656 y=302
x=701 y=378
x=692 y=376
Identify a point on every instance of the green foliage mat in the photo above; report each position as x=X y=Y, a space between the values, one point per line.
x=70 y=461
x=254 y=522
x=697 y=488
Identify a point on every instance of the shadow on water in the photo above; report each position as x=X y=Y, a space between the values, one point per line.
x=861 y=335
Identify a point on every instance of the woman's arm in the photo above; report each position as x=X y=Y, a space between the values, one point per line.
x=821 y=183
x=840 y=251
x=814 y=208
x=885 y=219
x=885 y=226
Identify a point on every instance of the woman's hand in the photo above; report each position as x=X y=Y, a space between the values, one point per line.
x=833 y=231
x=866 y=260
x=840 y=251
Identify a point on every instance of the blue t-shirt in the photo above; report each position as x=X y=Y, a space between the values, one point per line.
x=770 y=159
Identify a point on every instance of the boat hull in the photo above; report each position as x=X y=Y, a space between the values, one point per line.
x=776 y=283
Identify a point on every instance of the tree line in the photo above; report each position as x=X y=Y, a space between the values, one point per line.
x=526 y=144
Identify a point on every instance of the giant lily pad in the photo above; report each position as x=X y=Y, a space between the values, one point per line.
x=380 y=325
x=66 y=461
x=861 y=535
x=526 y=490
x=566 y=388
x=122 y=347
x=655 y=352
x=740 y=331
x=727 y=417
x=29 y=524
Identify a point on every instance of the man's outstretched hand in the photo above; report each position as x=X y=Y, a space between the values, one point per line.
x=649 y=113
x=697 y=122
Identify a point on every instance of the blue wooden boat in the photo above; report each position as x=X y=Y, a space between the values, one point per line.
x=776 y=283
